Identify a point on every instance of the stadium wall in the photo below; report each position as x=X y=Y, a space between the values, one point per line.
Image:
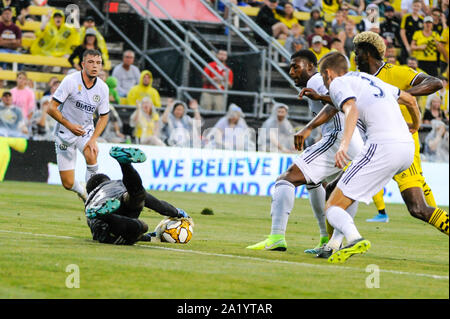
x=191 y=170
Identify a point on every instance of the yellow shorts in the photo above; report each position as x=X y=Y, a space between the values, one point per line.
x=412 y=177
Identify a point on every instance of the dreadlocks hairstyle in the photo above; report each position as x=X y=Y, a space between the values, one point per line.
x=371 y=42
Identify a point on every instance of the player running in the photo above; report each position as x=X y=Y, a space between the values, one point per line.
x=113 y=206
x=388 y=150
x=315 y=164
x=73 y=106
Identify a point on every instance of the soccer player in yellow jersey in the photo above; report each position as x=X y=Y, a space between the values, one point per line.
x=369 y=50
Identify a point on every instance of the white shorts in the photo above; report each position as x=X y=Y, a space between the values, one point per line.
x=373 y=168
x=66 y=153
x=317 y=162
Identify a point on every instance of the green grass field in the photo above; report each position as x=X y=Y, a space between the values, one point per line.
x=43 y=230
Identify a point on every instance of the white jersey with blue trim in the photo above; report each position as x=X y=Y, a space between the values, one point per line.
x=78 y=103
x=377 y=105
x=336 y=123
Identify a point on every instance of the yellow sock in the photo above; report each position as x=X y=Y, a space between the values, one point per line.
x=429 y=197
x=439 y=219
x=379 y=201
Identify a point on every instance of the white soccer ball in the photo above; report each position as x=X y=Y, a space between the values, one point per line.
x=175 y=230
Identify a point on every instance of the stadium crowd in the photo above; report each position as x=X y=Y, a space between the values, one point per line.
x=416 y=36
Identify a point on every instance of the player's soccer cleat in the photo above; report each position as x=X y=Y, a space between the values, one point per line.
x=324 y=252
x=108 y=207
x=83 y=196
x=147 y=237
x=273 y=242
x=315 y=250
x=379 y=218
x=359 y=246
x=127 y=155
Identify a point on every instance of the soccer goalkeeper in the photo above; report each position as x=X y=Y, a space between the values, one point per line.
x=113 y=206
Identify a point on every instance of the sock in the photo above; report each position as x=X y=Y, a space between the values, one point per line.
x=378 y=200
x=79 y=189
x=91 y=170
x=317 y=201
x=429 y=197
x=337 y=237
x=342 y=221
x=439 y=219
x=282 y=204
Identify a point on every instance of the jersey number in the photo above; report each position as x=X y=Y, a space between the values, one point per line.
x=381 y=93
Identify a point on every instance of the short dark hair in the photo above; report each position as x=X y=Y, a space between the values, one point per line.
x=96 y=180
x=413 y=58
x=335 y=61
x=305 y=54
x=93 y=52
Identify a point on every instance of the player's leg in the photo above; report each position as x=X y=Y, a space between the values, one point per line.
x=117 y=229
x=282 y=204
x=418 y=208
x=66 y=157
x=378 y=200
x=91 y=161
x=317 y=201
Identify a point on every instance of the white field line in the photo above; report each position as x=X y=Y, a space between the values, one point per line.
x=257 y=259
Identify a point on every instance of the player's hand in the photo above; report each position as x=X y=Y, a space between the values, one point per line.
x=341 y=157
x=313 y=95
x=300 y=138
x=182 y=213
x=77 y=130
x=413 y=128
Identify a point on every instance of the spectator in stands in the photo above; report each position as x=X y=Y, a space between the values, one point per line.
x=19 y=9
x=434 y=112
x=12 y=123
x=414 y=64
x=231 y=132
x=319 y=29
x=42 y=124
x=145 y=121
x=424 y=47
x=411 y=22
x=306 y=5
x=89 y=23
x=391 y=52
x=437 y=15
x=268 y=21
x=437 y=143
x=318 y=48
x=144 y=89
x=443 y=50
x=288 y=17
x=276 y=133
x=407 y=7
x=180 y=129
x=442 y=95
x=331 y=6
x=55 y=37
x=390 y=28
x=23 y=96
x=113 y=130
x=347 y=37
x=353 y=7
x=215 y=101
x=371 y=20
x=338 y=23
x=295 y=41
x=89 y=43
x=311 y=23
x=10 y=34
x=127 y=74
x=336 y=45
x=54 y=85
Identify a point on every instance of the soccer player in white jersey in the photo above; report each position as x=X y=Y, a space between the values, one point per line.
x=73 y=106
x=315 y=164
x=388 y=150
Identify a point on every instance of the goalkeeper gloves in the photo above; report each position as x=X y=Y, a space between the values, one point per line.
x=182 y=213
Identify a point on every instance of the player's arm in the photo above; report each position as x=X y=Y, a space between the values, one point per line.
x=424 y=84
x=91 y=145
x=57 y=115
x=325 y=114
x=351 y=117
x=413 y=109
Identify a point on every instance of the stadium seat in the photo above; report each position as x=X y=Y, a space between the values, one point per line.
x=40 y=60
x=39 y=11
x=29 y=25
x=34 y=76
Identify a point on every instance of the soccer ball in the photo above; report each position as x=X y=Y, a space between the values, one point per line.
x=175 y=230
